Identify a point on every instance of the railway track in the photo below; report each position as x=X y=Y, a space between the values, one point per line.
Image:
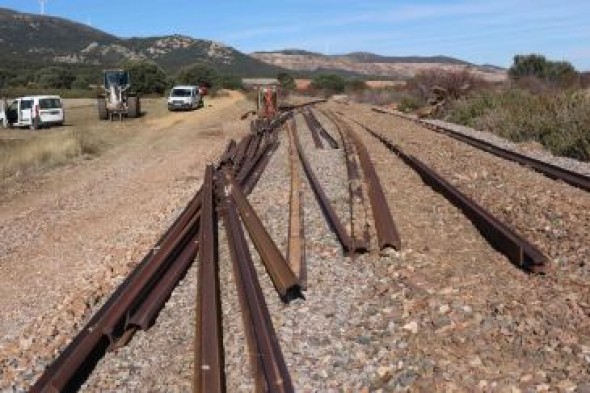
x=136 y=303
x=554 y=172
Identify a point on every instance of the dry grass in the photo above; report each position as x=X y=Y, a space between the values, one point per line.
x=42 y=151
x=23 y=151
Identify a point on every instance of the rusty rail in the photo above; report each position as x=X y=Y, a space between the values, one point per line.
x=518 y=250
x=136 y=302
x=323 y=132
x=72 y=367
x=209 y=363
x=387 y=233
x=552 y=171
x=331 y=216
x=312 y=128
x=269 y=367
x=281 y=275
x=358 y=213
x=296 y=243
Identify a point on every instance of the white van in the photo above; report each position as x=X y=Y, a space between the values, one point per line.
x=33 y=112
x=185 y=97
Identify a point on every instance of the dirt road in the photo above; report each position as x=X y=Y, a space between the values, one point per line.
x=74 y=231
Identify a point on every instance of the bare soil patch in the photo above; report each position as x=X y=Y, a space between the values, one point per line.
x=71 y=233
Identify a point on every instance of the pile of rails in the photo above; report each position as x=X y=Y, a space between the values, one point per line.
x=136 y=303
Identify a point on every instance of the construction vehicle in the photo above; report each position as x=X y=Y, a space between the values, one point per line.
x=267 y=102
x=267 y=105
x=117 y=100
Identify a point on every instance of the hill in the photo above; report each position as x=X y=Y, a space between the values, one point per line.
x=370 y=64
x=30 y=41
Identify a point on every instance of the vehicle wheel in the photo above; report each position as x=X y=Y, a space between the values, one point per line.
x=133 y=107
x=103 y=113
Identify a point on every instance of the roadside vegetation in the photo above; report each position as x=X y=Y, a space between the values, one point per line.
x=542 y=101
x=79 y=82
x=23 y=151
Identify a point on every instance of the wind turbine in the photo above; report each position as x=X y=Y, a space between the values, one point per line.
x=42 y=3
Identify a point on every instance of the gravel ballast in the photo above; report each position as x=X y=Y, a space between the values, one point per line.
x=445 y=313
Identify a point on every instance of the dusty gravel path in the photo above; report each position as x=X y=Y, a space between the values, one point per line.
x=73 y=233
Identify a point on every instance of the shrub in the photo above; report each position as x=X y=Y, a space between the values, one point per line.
x=456 y=83
x=201 y=75
x=408 y=104
x=355 y=85
x=559 y=73
x=231 y=82
x=80 y=83
x=54 y=77
x=559 y=121
x=287 y=81
x=329 y=83
x=146 y=77
x=380 y=96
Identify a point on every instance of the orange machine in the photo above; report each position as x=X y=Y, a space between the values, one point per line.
x=267 y=104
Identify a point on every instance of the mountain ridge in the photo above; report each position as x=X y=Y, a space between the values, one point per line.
x=48 y=40
x=30 y=41
x=367 y=63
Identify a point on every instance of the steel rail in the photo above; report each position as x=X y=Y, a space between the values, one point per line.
x=143 y=315
x=358 y=214
x=209 y=374
x=331 y=216
x=279 y=271
x=290 y=107
x=323 y=132
x=229 y=154
x=517 y=249
x=241 y=150
x=296 y=239
x=254 y=145
x=387 y=233
x=312 y=129
x=268 y=365
x=115 y=322
x=73 y=365
x=136 y=302
x=552 y=171
x=261 y=162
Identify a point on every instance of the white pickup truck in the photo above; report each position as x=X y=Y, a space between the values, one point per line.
x=32 y=111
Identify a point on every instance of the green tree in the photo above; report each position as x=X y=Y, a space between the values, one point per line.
x=146 y=77
x=5 y=77
x=537 y=66
x=80 y=83
x=331 y=83
x=55 y=77
x=201 y=75
x=231 y=82
x=286 y=80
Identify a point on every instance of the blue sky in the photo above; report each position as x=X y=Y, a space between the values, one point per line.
x=480 y=31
